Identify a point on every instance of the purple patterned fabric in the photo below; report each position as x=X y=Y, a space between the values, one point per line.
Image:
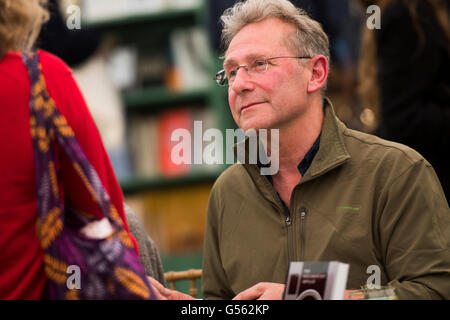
x=77 y=267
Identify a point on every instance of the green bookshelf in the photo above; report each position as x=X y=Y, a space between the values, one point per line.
x=173 y=16
x=159 y=97
x=147 y=33
x=134 y=185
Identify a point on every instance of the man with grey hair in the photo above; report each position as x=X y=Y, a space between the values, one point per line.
x=339 y=194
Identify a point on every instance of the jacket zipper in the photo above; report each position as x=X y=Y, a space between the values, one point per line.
x=290 y=234
x=302 y=235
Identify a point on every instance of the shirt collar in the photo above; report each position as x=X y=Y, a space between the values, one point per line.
x=304 y=165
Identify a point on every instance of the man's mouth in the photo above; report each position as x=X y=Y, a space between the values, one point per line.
x=249 y=105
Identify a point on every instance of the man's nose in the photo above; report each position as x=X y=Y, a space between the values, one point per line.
x=242 y=81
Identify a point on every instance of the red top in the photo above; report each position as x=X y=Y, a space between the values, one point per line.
x=21 y=257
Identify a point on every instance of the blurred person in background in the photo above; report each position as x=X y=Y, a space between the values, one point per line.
x=215 y=9
x=22 y=274
x=74 y=46
x=404 y=77
x=335 y=17
x=148 y=251
x=341 y=21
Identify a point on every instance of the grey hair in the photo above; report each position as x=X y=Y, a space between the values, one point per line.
x=309 y=39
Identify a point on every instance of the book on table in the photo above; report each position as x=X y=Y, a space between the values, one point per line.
x=316 y=280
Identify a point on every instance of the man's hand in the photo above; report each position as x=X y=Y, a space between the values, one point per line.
x=162 y=293
x=262 y=291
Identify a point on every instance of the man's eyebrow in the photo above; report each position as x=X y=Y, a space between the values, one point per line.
x=228 y=62
x=250 y=57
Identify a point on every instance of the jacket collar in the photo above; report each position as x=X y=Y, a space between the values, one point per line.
x=331 y=154
x=332 y=151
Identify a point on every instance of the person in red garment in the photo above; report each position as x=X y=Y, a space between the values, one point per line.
x=22 y=274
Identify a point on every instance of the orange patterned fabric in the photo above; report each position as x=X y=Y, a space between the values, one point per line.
x=104 y=269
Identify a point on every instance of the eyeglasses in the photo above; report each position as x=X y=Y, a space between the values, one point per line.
x=226 y=77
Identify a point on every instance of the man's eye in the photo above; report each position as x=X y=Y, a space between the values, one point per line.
x=233 y=73
x=259 y=65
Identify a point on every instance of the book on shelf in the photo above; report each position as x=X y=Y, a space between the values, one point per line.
x=144 y=146
x=154 y=154
x=168 y=150
x=190 y=53
x=153 y=66
x=122 y=66
x=206 y=133
x=182 y=4
x=316 y=280
x=101 y=10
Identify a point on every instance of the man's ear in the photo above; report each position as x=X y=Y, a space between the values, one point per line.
x=319 y=73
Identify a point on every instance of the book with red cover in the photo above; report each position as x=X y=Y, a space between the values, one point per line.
x=168 y=122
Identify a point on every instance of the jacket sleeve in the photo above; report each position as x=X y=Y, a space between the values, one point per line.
x=214 y=278
x=415 y=234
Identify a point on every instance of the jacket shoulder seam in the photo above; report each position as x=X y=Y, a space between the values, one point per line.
x=413 y=161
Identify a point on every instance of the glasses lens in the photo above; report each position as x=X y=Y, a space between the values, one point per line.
x=221 y=78
x=259 y=65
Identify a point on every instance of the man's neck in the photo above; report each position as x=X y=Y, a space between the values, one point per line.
x=294 y=142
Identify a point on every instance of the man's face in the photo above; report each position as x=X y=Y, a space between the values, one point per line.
x=273 y=99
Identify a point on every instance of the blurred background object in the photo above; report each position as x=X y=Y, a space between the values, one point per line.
x=342 y=21
x=86 y=51
x=404 y=78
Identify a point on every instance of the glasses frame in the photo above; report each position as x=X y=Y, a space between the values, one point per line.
x=222 y=79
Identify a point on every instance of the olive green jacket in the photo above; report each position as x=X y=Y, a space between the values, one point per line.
x=363 y=201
